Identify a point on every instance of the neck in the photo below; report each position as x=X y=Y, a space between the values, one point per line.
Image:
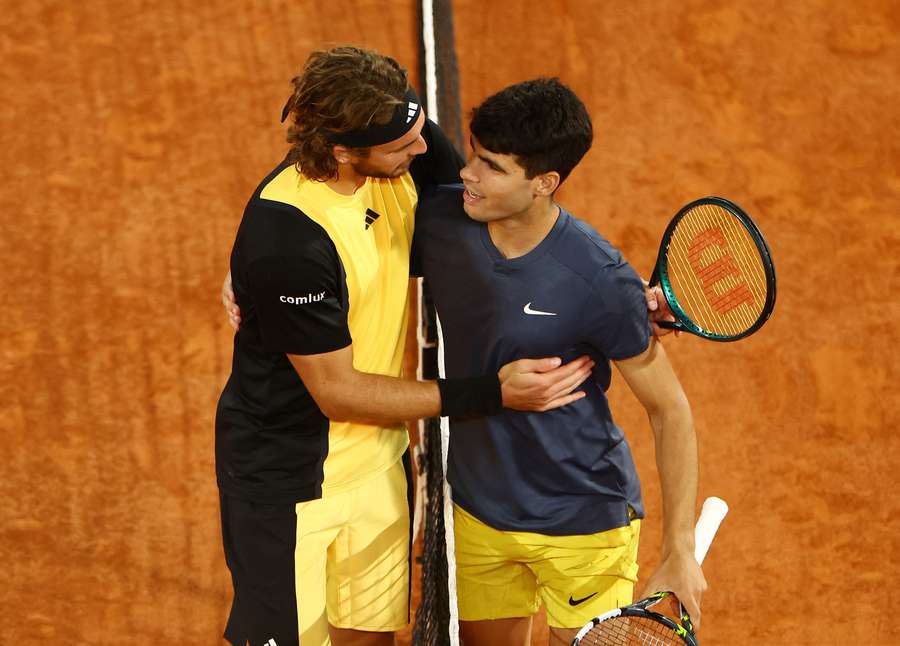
x=348 y=180
x=518 y=234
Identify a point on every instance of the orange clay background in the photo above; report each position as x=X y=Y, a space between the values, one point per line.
x=133 y=133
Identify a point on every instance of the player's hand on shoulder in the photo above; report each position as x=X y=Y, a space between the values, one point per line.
x=543 y=384
x=680 y=574
x=231 y=306
x=658 y=309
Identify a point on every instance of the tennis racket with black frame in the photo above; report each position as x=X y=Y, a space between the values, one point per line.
x=637 y=624
x=716 y=271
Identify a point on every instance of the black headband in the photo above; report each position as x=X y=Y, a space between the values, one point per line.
x=405 y=117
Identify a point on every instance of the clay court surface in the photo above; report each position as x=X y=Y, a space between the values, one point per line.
x=133 y=133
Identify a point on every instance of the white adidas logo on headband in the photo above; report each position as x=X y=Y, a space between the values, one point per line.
x=413 y=108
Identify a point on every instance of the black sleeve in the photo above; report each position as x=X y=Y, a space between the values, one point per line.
x=427 y=197
x=441 y=163
x=301 y=299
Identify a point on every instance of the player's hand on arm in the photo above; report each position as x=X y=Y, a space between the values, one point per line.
x=653 y=381
x=231 y=306
x=543 y=384
x=344 y=393
x=659 y=309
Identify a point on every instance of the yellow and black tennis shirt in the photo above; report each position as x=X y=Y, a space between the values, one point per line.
x=312 y=271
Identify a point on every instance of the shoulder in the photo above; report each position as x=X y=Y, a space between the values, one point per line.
x=271 y=228
x=584 y=251
x=600 y=265
x=277 y=211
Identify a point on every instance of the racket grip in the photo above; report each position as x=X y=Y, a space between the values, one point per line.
x=711 y=516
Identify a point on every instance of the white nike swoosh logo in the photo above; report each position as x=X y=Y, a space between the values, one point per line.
x=528 y=310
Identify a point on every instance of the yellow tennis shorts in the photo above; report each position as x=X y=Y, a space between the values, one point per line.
x=502 y=574
x=352 y=559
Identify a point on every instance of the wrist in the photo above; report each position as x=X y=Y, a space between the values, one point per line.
x=470 y=397
x=679 y=548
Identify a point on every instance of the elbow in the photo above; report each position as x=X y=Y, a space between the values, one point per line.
x=333 y=410
x=676 y=414
x=331 y=405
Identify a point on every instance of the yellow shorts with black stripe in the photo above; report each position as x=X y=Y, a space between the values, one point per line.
x=502 y=574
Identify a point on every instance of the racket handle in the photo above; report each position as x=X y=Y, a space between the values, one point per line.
x=711 y=516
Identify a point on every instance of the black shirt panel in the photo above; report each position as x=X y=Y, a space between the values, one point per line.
x=271 y=436
x=288 y=280
x=299 y=299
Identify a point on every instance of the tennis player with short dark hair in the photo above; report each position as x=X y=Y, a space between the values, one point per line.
x=548 y=506
x=310 y=442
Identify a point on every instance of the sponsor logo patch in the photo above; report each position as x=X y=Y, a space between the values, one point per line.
x=303 y=300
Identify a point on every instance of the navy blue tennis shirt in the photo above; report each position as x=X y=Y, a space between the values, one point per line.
x=561 y=472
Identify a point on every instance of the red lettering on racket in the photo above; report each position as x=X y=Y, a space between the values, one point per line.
x=724 y=303
x=719 y=269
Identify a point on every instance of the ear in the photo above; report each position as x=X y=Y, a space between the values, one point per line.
x=545 y=183
x=341 y=154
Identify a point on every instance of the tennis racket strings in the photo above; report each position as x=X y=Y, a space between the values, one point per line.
x=631 y=631
x=717 y=270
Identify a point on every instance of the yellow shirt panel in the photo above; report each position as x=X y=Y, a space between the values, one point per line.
x=376 y=263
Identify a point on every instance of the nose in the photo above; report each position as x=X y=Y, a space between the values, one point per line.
x=420 y=146
x=466 y=174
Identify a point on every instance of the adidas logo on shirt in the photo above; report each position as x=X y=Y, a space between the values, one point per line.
x=371 y=216
x=411 y=112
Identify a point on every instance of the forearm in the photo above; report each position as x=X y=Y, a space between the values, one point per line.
x=344 y=393
x=676 y=460
x=382 y=399
x=379 y=399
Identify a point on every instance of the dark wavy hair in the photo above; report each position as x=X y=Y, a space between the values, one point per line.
x=339 y=90
x=542 y=122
